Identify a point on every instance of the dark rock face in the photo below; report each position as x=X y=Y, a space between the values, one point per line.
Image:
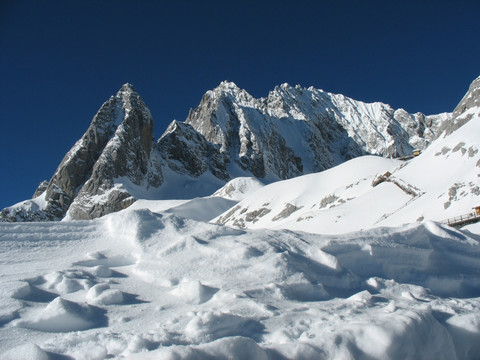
x=118 y=143
x=126 y=155
x=40 y=189
x=187 y=152
x=79 y=161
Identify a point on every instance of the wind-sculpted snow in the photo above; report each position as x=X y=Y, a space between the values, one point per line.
x=146 y=285
x=239 y=188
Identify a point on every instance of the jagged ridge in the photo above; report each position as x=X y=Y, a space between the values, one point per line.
x=293 y=131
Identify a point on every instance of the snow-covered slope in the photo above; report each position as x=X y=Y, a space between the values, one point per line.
x=141 y=285
x=239 y=188
x=371 y=191
x=365 y=192
x=331 y=201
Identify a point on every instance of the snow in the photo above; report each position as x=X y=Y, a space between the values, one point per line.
x=62 y=315
x=317 y=202
x=176 y=186
x=32 y=205
x=239 y=188
x=143 y=285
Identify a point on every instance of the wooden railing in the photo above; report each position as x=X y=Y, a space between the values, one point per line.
x=469 y=218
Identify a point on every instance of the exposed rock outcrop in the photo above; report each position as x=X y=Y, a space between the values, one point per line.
x=467 y=108
x=127 y=156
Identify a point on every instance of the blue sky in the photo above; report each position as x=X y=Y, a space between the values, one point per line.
x=60 y=60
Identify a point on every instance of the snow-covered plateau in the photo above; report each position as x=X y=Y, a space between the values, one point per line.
x=353 y=262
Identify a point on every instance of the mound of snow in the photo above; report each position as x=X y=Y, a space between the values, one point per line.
x=202 y=209
x=27 y=351
x=62 y=315
x=101 y=271
x=239 y=188
x=207 y=326
x=235 y=347
x=102 y=294
x=193 y=292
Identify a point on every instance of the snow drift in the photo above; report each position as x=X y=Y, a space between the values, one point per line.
x=173 y=287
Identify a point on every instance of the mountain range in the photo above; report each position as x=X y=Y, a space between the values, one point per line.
x=292 y=132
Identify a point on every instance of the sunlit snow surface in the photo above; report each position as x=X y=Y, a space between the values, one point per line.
x=146 y=285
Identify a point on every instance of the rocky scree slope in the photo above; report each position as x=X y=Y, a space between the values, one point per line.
x=293 y=131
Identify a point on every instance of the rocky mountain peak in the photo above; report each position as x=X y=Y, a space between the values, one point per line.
x=126 y=156
x=466 y=109
x=296 y=130
x=229 y=92
x=127 y=88
x=118 y=143
x=229 y=86
x=470 y=101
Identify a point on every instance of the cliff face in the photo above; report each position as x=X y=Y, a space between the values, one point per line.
x=127 y=154
x=118 y=143
x=466 y=109
x=295 y=130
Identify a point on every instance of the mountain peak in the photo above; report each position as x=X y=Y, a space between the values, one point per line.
x=127 y=87
x=126 y=91
x=467 y=108
x=228 y=86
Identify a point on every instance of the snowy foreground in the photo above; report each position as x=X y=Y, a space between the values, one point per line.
x=145 y=285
